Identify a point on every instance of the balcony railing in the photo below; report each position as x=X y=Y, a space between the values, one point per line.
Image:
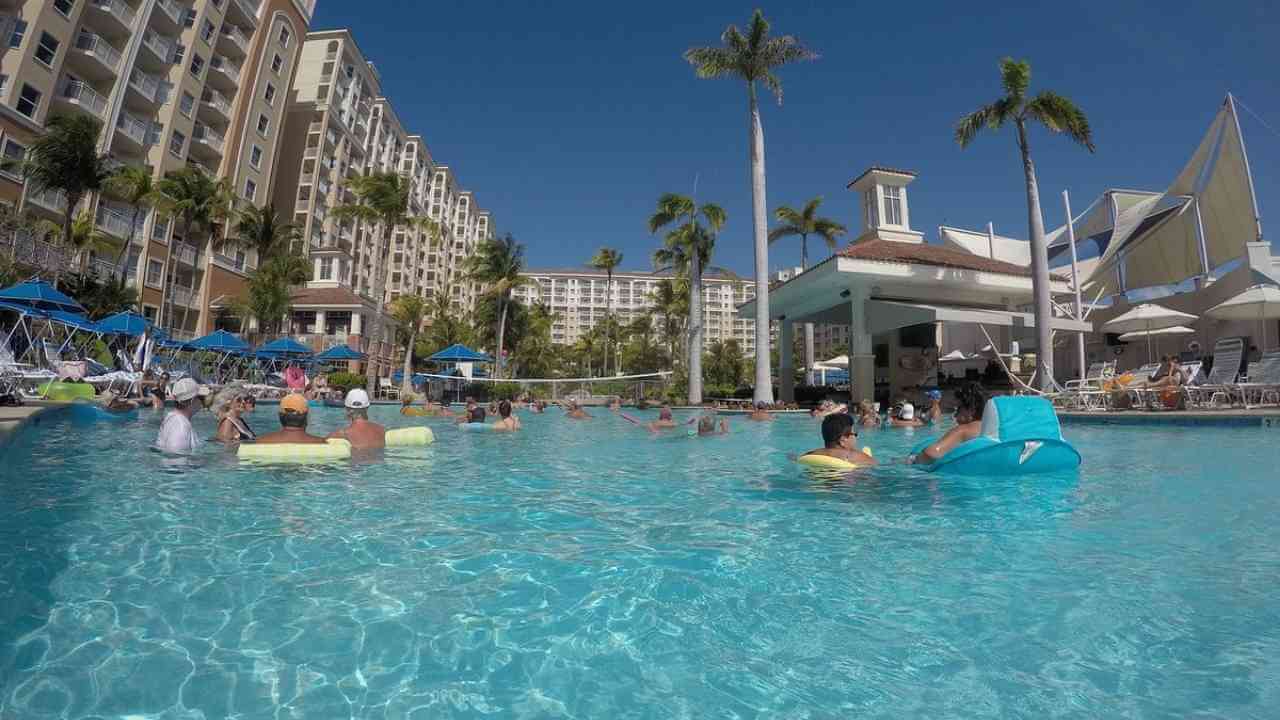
x=50 y=199
x=114 y=222
x=98 y=48
x=226 y=67
x=233 y=35
x=228 y=262
x=160 y=45
x=80 y=93
x=172 y=9
x=202 y=134
x=140 y=131
x=217 y=101
x=250 y=7
x=187 y=254
x=181 y=296
x=118 y=9
x=146 y=85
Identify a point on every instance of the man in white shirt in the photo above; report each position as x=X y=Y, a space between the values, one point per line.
x=176 y=434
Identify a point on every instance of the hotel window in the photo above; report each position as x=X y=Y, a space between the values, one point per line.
x=276 y=63
x=155 y=271
x=187 y=103
x=869 y=208
x=197 y=64
x=19 y=32
x=47 y=50
x=255 y=157
x=326 y=268
x=269 y=95
x=179 y=53
x=206 y=32
x=892 y=205
x=190 y=18
x=285 y=36
x=250 y=190
x=176 y=142
x=63 y=6
x=264 y=124
x=28 y=101
x=160 y=229
x=13 y=156
x=4 y=83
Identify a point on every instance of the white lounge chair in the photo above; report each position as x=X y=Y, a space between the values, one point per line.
x=1262 y=382
x=1221 y=384
x=388 y=389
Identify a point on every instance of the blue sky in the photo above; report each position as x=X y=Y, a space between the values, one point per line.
x=568 y=119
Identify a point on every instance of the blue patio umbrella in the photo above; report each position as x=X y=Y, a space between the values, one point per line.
x=40 y=295
x=25 y=309
x=124 y=323
x=285 y=347
x=418 y=378
x=219 y=341
x=339 y=353
x=74 y=320
x=457 y=352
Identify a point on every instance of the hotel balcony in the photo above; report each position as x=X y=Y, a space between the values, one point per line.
x=224 y=71
x=245 y=12
x=169 y=15
x=94 y=57
x=147 y=88
x=186 y=254
x=233 y=42
x=200 y=167
x=159 y=51
x=183 y=296
x=54 y=201
x=235 y=264
x=114 y=14
x=115 y=221
x=135 y=134
x=216 y=104
x=205 y=142
x=79 y=94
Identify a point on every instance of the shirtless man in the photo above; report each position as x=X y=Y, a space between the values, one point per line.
x=293 y=423
x=968 y=427
x=760 y=413
x=906 y=417
x=664 y=422
x=840 y=441
x=361 y=433
x=574 y=411
x=506 y=422
x=707 y=426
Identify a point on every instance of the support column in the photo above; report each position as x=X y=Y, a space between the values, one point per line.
x=862 y=358
x=786 y=361
x=319 y=326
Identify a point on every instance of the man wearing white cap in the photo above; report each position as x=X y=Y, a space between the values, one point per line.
x=176 y=434
x=905 y=417
x=362 y=434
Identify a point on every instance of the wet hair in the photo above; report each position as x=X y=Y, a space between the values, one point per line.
x=867 y=407
x=477 y=414
x=504 y=408
x=706 y=424
x=291 y=419
x=973 y=400
x=835 y=427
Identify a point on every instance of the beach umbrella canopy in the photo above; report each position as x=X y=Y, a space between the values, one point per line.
x=39 y=295
x=956 y=356
x=839 y=361
x=1260 y=302
x=1145 y=318
x=124 y=323
x=459 y=353
x=339 y=353
x=1142 y=334
x=285 y=347
x=25 y=309
x=73 y=320
x=219 y=341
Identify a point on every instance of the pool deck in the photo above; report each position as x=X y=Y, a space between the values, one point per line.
x=1260 y=417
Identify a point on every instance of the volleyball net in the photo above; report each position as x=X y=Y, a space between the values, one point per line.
x=581 y=388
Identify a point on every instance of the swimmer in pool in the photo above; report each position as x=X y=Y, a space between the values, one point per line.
x=574 y=411
x=840 y=440
x=968 y=426
x=760 y=413
x=707 y=426
x=362 y=434
x=474 y=415
x=665 y=421
x=293 y=423
x=867 y=415
x=906 y=417
x=507 y=421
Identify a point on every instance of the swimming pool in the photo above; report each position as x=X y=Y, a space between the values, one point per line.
x=589 y=570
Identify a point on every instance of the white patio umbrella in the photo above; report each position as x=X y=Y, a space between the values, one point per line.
x=840 y=362
x=1157 y=334
x=1145 y=318
x=1260 y=302
x=955 y=356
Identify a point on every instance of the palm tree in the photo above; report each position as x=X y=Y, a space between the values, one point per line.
x=670 y=298
x=193 y=199
x=606 y=259
x=409 y=311
x=66 y=159
x=687 y=249
x=132 y=184
x=753 y=57
x=1058 y=115
x=805 y=222
x=381 y=199
x=498 y=264
x=269 y=295
x=262 y=230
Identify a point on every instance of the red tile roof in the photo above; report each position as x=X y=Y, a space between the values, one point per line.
x=326 y=296
x=923 y=254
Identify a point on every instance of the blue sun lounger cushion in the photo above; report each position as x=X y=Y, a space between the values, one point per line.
x=1020 y=435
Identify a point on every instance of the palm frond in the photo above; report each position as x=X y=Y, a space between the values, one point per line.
x=1060 y=115
x=757 y=31
x=783 y=231
x=715 y=216
x=829 y=230
x=1015 y=77
x=710 y=62
x=991 y=117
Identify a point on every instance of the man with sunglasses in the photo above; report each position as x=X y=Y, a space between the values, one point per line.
x=840 y=441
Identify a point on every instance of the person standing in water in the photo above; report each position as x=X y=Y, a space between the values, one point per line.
x=360 y=432
x=840 y=441
x=507 y=422
x=294 y=414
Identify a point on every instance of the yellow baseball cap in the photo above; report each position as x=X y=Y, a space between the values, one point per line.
x=294 y=403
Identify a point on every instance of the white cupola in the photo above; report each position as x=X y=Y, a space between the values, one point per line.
x=882 y=194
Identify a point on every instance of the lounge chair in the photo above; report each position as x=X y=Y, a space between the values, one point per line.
x=1262 y=382
x=1087 y=393
x=388 y=389
x=1221 y=384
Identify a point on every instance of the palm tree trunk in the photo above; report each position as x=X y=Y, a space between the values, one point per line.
x=764 y=382
x=502 y=329
x=380 y=280
x=608 y=310
x=406 y=379
x=1039 y=267
x=68 y=217
x=808 y=327
x=124 y=249
x=695 y=329
x=183 y=323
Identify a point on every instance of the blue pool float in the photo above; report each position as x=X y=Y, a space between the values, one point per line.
x=88 y=412
x=475 y=427
x=1020 y=436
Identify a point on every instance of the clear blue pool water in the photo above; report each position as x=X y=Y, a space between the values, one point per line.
x=587 y=570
